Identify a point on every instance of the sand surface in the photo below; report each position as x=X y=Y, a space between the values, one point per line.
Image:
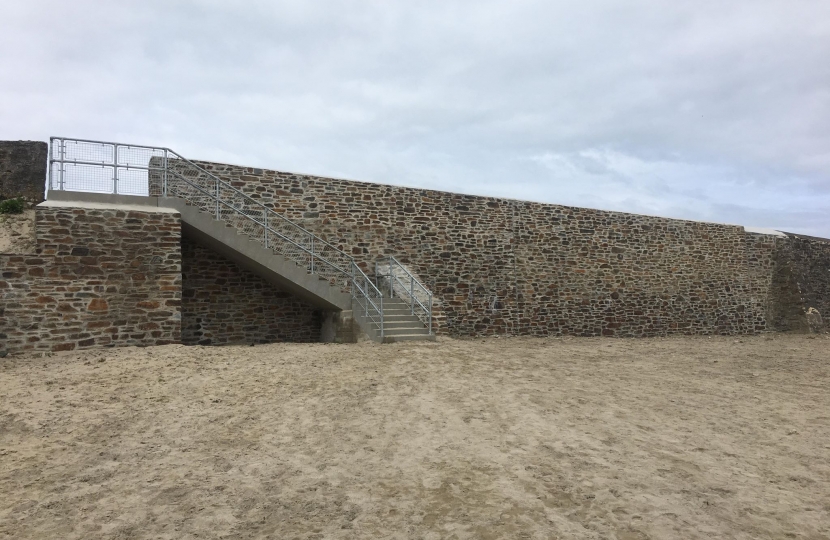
x=503 y=438
x=17 y=233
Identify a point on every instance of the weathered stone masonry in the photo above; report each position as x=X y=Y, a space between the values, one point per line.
x=223 y=303
x=101 y=277
x=23 y=170
x=799 y=281
x=110 y=277
x=113 y=276
x=501 y=266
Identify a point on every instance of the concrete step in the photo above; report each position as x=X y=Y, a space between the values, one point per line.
x=405 y=307
x=410 y=337
x=399 y=316
x=396 y=311
x=403 y=331
x=402 y=324
x=406 y=332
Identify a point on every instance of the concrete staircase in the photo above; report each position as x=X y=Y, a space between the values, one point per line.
x=399 y=323
x=244 y=230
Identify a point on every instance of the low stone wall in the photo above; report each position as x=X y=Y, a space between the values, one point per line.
x=100 y=277
x=500 y=266
x=23 y=170
x=223 y=303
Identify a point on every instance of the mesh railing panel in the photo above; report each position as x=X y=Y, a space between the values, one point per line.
x=137 y=156
x=93 y=152
x=100 y=167
x=89 y=178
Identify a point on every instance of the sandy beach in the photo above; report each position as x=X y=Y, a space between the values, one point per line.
x=499 y=438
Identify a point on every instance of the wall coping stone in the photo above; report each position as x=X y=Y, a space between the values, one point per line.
x=80 y=199
x=764 y=230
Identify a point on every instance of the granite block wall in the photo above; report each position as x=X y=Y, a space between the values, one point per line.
x=223 y=303
x=500 y=266
x=23 y=170
x=100 y=277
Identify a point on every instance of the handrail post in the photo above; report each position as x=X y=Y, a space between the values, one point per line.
x=430 y=314
x=63 y=157
x=49 y=164
x=312 y=253
x=217 y=198
x=412 y=292
x=391 y=279
x=115 y=169
x=164 y=176
x=381 y=317
x=266 y=228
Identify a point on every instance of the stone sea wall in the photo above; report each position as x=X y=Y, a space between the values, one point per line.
x=100 y=277
x=124 y=275
x=500 y=266
x=223 y=303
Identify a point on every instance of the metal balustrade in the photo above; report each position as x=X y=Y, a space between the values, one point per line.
x=124 y=169
x=403 y=284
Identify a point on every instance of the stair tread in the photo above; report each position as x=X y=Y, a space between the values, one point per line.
x=393 y=339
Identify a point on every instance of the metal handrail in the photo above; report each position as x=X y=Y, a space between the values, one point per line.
x=253 y=201
x=313 y=239
x=408 y=289
x=266 y=227
x=362 y=289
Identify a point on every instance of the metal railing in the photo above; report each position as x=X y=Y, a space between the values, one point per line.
x=105 y=167
x=403 y=284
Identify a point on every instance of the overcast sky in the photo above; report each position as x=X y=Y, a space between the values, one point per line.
x=697 y=109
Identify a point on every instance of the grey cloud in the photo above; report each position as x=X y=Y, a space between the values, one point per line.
x=704 y=110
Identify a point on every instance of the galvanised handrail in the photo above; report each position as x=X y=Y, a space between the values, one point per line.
x=407 y=288
x=266 y=227
x=171 y=175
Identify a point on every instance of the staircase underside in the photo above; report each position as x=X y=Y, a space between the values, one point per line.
x=252 y=255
